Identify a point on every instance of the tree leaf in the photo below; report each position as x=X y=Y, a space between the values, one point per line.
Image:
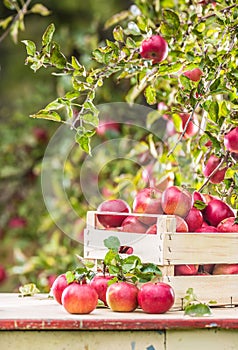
x=112 y=242
x=57 y=58
x=197 y=310
x=118 y=34
x=48 y=35
x=150 y=95
x=40 y=9
x=49 y=115
x=28 y=289
x=213 y=111
x=30 y=47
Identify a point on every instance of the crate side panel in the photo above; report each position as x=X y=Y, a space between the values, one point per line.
x=147 y=247
x=220 y=288
x=202 y=248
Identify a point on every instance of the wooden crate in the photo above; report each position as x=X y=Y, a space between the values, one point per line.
x=168 y=248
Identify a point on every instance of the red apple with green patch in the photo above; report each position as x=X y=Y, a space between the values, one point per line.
x=156 y=298
x=122 y=297
x=176 y=201
x=79 y=298
x=148 y=201
x=154 y=48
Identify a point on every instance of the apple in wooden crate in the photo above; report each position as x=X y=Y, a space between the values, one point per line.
x=132 y=224
x=112 y=205
x=216 y=211
x=176 y=201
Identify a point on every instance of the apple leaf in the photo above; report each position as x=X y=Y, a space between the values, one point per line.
x=197 y=310
x=112 y=242
x=70 y=276
x=199 y=205
x=28 y=290
x=151 y=268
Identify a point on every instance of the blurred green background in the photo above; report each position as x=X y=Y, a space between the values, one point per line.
x=33 y=249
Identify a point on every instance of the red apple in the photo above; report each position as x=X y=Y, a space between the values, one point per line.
x=177 y=201
x=41 y=134
x=122 y=296
x=192 y=127
x=228 y=225
x=132 y=224
x=210 y=166
x=124 y=249
x=79 y=298
x=225 y=269
x=107 y=128
x=181 y=225
x=185 y=270
x=197 y=196
x=156 y=298
x=154 y=48
x=148 y=201
x=58 y=286
x=3 y=274
x=100 y=284
x=216 y=211
x=17 y=222
x=193 y=74
x=231 y=140
x=152 y=230
x=207 y=228
x=194 y=219
x=112 y=205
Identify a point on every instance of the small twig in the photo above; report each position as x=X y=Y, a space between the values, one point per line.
x=214 y=14
x=15 y=19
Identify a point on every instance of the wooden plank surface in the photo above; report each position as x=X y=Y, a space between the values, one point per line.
x=41 y=313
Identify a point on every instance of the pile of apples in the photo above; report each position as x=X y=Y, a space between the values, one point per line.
x=121 y=296
x=194 y=212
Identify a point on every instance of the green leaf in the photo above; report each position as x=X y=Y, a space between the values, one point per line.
x=197 y=310
x=213 y=111
x=83 y=139
x=49 y=115
x=48 y=35
x=112 y=242
x=9 y=4
x=170 y=24
x=70 y=276
x=199 y=205
x=118 y=34
x=28 y=290
x=150 y=95
x=40 y=9
x=57 y=58
x=4 y=22
x=30 y=47
x=116 y=19
x=151 y=268
x=91 y=118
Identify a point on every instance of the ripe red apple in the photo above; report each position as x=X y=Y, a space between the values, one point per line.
x=3 y=274
x=17 y=222
x=231 y=140
x=100 y=284
x=225 y=269
x=152 y=230
x=194 y=219
x=156 y=298
x=107 y=128
x=181 y=225
x=58 y=286
x=197 y=196
x=122 y=296
x=192 y=127
x=112 y=205
x=148 y=201
x=154 y=48
x=185 y=270
x=210 y=166
x=177 y=201
x=132 y=224
x=207 y=228
x=216 y=211
x=193 y=74
x=41 y=134
x=79 y=298
x=228 y=225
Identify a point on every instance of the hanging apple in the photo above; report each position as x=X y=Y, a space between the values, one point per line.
x=154 y=48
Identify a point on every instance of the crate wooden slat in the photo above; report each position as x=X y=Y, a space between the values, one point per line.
x=168 y=248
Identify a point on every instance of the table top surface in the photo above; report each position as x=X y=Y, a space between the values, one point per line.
x=40 y=312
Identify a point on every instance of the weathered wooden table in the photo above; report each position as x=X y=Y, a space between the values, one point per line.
x=39 y=323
